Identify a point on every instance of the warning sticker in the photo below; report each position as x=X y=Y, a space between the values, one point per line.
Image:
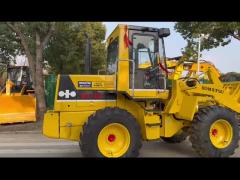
x=97 y=84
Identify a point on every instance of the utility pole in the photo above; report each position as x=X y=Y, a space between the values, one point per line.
x=199 y=53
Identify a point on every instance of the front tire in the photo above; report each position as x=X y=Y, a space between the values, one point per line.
x=214 y=132
x=111 y=132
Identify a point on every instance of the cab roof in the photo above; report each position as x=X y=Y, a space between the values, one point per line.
x=133 y=27
x=143 y=28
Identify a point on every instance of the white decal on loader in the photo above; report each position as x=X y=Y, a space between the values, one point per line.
x=67 y=94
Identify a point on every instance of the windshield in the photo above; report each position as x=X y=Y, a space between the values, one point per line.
x=14 y=75
x=19 y=75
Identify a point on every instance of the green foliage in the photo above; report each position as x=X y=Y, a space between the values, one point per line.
x=219 y=34
x=65 y=50
x=230 y=77
x=190 y=52
x=9 y=44
x=65 y=53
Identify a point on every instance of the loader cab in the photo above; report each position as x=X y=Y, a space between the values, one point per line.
x=147 y=51
x=137 y=56
x=20 y=76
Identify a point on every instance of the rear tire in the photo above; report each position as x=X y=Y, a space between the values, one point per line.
x=94 y=144
x=214 y=142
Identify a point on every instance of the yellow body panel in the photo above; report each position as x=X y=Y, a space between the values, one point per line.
x=123 y=75
x=171 y=126
x=123 y=63
x=188 y=108
x=51 y=124
x=74 y=118
x=88 y=105
x=70 y=133
x=148 y=93
x=71 y=124
x=152 y=126
x=123 y=50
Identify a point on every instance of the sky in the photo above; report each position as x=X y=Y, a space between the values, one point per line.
x=226 y=59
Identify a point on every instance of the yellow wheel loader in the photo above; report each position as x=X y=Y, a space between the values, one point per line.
x=144 y=96
x=17 y=100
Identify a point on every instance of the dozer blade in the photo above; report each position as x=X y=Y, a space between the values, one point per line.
x=15 y=109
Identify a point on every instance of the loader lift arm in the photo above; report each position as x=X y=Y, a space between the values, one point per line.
x=215 y=92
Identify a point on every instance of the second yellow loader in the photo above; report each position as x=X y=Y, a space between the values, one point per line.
x=17 y=99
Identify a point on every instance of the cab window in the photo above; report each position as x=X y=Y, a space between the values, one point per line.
x=112 y=56
x=143 y=50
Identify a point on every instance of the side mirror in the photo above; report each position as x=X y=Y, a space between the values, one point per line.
x=164 y=32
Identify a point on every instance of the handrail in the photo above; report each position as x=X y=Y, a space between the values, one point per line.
x=133 y=76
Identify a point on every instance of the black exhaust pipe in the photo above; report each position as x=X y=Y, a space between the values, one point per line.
x=87 y=64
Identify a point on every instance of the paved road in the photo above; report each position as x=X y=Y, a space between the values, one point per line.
x=36 y=145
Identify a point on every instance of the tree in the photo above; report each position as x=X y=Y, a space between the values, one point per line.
x=190 y=52
x=9 y=47
x=230 y=77
x=67 y=47
x=219 y=34
x=62 y=44
x=32 y=39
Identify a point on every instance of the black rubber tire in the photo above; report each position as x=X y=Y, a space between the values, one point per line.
x=199 y=131
x=97 y=121
x=177 y=138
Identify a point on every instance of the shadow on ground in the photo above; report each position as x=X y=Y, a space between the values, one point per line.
x=27 y=126
x=163 y=149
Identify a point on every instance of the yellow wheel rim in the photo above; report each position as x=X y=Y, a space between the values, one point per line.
x=114 y=140
x=221 y=133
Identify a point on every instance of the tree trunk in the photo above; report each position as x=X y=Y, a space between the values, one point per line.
x=39 y=87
